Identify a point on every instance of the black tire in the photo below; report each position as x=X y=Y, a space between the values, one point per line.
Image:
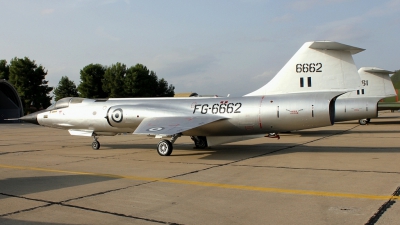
x=164 y=148
x=96 y=145
x=201 y=143
x=363 y=122
x=368 y=120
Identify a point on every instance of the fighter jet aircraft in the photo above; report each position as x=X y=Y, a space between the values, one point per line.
x=362 y=104
x=303 y=96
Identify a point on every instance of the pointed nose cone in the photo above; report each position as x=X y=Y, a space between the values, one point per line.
x=31 y=118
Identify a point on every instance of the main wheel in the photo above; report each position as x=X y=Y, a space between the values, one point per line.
x=201 y=143
x=368 y=120
x=164 y=148
x=95 y=145
x=362 y=121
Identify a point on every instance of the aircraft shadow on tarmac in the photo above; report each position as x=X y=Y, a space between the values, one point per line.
x=24 y=222
x=28 y=185
x=236 y=152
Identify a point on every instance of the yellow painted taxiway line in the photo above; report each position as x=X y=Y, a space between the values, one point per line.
x=217 y=185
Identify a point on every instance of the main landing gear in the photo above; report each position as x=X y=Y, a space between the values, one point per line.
x=364 y=121
x=274 y=135
x=95 y=143
x=200 y=142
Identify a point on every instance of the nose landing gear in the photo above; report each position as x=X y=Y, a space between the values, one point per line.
x=95 y=143
x=273 y=135
x=165 y=147
x=364 y=121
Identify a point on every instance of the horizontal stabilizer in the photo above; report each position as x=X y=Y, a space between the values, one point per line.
x=329 y=45
x=378 y=70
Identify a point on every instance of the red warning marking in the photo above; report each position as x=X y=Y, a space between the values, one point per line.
x=249 y=127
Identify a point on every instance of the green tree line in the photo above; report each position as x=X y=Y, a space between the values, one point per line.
x=96 y=81
x=119 y=81
x=29 y=81
x=396 y=83
x=396 y=79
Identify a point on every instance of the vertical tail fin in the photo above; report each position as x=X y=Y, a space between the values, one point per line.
x=317 y=66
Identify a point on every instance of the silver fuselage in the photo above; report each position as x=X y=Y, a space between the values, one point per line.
x=240 y=116
x=356 y=108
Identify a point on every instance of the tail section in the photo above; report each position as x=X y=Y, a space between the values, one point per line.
x=316 y=67
x=362 y=103
x=376 y=82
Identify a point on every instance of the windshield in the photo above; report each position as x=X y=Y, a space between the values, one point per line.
x=64 y=103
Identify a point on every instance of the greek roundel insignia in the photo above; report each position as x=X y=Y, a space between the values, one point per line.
x=153 y=129
x=117 y=115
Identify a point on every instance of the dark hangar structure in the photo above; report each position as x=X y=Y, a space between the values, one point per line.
x=10 y=103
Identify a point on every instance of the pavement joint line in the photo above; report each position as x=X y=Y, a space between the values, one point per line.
x=51 y=203
x=86 y=159
x=25 y=210
x=383 y=208
x=118 y=214
x=160 y=161
x=5 y=153
x=217 y=185
x=263 y=154
x=28 y=198
x=48 y=203
x=296 y=145
x=104 y=192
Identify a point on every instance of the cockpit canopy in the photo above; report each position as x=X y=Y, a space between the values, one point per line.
x=64 y=103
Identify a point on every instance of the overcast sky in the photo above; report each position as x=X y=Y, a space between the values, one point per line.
x=209 y=47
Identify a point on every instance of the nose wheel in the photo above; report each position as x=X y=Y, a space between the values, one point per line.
x=164 y=148
x=95 y=143
x=364 y=121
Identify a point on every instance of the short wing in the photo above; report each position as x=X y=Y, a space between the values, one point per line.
x=167 y=126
